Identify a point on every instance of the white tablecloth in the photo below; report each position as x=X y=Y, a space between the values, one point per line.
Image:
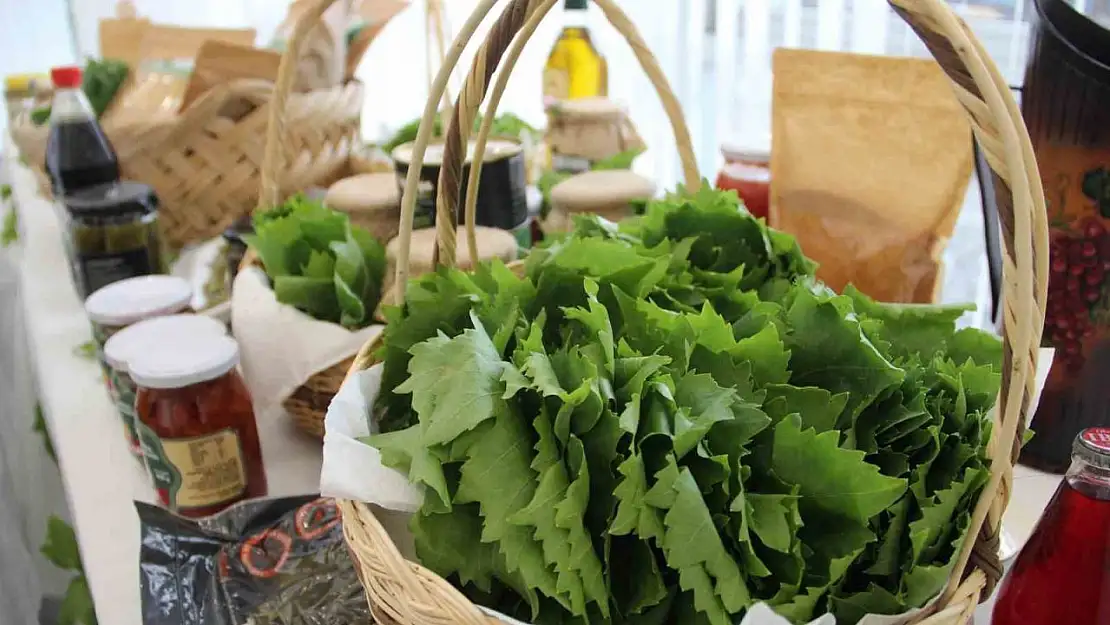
x=100 y=477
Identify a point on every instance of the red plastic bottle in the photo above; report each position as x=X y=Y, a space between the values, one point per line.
x=1062 y=576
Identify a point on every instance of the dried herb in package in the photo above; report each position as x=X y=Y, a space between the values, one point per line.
x=870 y=164
x=262 y=562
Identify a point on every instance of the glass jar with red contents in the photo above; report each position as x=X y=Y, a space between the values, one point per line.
x=1067 y=85
x=747 y=170
x=197 y=427
x=1062 y=574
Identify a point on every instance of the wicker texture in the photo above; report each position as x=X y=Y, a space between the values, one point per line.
x=411 y=595
x=205 y=166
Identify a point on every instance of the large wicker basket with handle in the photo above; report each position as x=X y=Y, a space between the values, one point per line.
x=205 y=166
x=411 y=595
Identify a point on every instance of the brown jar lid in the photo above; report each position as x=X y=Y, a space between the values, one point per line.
x=365 y=193
x=594 y=191
x=589 y=108
x=492 y=243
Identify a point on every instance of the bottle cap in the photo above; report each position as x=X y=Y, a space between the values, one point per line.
x=68 y=77
x=134 y=299
x=575 y=5
x=1093 y=447
x=159 y=333
x=184 y=363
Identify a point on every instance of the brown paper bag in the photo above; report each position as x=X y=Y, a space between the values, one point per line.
x=871 y=158
x=219 y=62
x=161 y=60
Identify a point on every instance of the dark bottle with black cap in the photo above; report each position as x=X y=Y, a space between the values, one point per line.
x=112 y=234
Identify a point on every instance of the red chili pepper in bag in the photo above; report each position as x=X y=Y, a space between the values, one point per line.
x=257 y=554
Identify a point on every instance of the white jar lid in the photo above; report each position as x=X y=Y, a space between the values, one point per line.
x=750 y=149
x=185 y=363
x=158 y=334
x=134 y=299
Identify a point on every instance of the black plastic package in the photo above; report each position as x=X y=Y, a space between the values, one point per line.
x=263 y=562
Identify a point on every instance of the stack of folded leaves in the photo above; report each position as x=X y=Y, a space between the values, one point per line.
x=672 y=420
x=319 y=263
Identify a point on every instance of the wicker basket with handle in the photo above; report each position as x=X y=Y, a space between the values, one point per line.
x=411 y=595
x=205 y=166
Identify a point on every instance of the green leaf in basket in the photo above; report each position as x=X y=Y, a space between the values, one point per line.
x=320 y=263
x=60 y=545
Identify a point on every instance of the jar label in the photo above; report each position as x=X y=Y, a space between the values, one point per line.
x=100 y=270
x=123 y=391
x=196 y=472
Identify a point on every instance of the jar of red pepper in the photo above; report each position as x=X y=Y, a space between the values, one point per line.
x=197 y=427
x=747 y=170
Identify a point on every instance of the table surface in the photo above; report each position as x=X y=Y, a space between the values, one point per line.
x=102 y=479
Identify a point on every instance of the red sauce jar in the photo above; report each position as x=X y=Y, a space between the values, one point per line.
x=197 y=427
x=748 y=172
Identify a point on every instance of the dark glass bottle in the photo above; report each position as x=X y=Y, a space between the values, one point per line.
x=1064 y=102
x=78 y=154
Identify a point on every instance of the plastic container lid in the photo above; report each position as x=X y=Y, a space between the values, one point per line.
x=68 y=77
x=601 y=188
x=1093 y=447
x=112 y=200
x=748 y=150
x=182 y=364
x=158 y=334
x=134 y=299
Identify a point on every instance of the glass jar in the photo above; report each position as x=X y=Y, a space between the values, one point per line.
x=112 y=234
x=1061 y=576
x=197 y=427
x=748 y=172
x=132 y=341
x=1067 y=86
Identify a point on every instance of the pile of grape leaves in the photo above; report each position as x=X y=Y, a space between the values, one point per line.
x=671 y=420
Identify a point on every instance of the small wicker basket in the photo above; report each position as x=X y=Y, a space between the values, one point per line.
x=205 y=166
x=409 y=594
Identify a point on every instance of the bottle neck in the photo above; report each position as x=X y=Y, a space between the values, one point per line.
x=1089 y=479
x=69 y=105
x=576 y=18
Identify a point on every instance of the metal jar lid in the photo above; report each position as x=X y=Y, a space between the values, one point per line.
x=1093 y=447
x=115 y=199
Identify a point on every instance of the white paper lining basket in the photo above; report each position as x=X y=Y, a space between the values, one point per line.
x=406 y=593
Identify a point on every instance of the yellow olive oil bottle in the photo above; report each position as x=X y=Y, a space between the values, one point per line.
x=575 y=69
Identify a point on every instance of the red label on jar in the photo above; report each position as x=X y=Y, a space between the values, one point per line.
x=1098 y=438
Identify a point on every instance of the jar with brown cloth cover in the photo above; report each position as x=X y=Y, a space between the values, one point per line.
x=611 y=194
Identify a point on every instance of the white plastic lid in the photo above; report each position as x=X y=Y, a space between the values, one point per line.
x=750 y=149
x=185 y=363
x=134 y=299
x=158 y=334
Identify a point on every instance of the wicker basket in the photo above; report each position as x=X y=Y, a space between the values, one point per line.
x=205 y=167
x=411 y=595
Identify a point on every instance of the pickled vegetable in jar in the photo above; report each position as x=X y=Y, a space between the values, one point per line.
x=197 y=426
x=130 y=342
x=112 y=234
x=121 y=304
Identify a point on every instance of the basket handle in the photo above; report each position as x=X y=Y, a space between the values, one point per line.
x=272 y=156
x=486 y=61
x=1004 y=140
